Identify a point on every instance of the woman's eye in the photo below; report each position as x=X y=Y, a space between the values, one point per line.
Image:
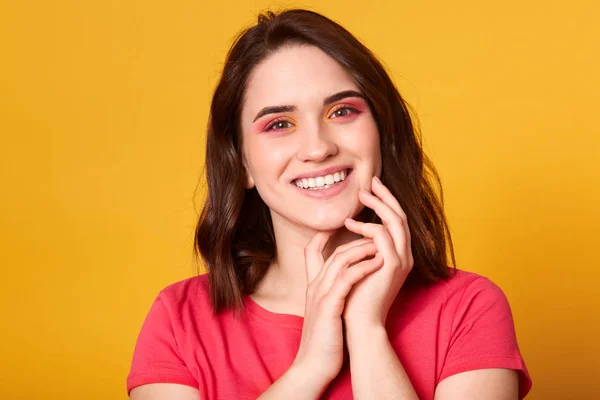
x=279 y=125
x=341 y=112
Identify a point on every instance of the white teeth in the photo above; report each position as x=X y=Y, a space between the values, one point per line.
x=321 y=181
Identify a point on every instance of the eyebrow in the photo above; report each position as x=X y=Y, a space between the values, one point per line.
x=328 y=100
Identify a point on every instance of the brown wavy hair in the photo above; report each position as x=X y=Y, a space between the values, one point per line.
x=234 y=235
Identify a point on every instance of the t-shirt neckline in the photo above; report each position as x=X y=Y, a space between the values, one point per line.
x=289 y=320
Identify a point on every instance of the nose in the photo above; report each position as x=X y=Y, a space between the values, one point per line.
x=316 y=144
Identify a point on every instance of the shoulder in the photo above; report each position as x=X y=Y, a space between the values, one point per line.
x=166 y=344
x=465 y=302
x=458 y=287
x=447 y=302
x=191 y=294
x=471 y=296
x=478 y=328
x=469 y=287
x=464 y=283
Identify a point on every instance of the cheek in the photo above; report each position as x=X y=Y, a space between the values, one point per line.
x=268 y=158
x=372 y=138
x=364 y=140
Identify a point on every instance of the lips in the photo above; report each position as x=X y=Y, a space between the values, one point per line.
x=327 y=192
x=322 y=172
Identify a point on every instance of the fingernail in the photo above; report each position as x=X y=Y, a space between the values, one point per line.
x=377 y=179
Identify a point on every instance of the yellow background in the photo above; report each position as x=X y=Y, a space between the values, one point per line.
x=103 y=114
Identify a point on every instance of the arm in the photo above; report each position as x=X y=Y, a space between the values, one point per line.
x=375 y=369
x=294 y=383
x=163 y=391
x=489 y=383
x=484 y=351
x=297 y=384
x=320 y=356
x=378 y=374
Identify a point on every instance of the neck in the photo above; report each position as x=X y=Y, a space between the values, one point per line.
x=286 y=278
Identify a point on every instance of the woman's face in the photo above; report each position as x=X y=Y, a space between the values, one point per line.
x=309 y=139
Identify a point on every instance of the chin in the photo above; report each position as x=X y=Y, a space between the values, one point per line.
x=326 y=223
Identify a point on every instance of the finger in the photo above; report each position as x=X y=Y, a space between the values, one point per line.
x=380 y=236
x=397 y=227
x=313 y=254
x=344 y=260
x=386 y=213
x=379 y=189
x=349 y=278
x=351 y=244
x=338 y=250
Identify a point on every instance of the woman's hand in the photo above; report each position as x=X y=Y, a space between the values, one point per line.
x=370 y=300
x=321 y=351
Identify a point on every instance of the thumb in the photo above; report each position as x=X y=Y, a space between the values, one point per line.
x=313 y=254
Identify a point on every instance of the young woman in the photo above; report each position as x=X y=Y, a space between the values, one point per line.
x=325 y=244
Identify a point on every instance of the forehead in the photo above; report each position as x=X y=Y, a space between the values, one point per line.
x=297 y=75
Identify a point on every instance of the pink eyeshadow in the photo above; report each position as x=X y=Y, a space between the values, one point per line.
x=359 y=105
x=262 y=125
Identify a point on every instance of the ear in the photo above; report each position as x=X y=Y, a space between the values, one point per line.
x=249 y=180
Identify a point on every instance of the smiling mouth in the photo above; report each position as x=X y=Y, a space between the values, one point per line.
x=323 y=182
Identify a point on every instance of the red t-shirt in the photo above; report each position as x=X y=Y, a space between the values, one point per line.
x=458 y=325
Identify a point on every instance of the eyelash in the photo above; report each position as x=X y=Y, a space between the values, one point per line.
x=352 y=110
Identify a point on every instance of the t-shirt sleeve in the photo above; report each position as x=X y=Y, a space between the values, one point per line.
x=483 y=334
x=156 y=358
